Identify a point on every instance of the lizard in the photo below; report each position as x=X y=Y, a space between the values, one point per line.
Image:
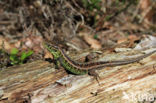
x=61 y=58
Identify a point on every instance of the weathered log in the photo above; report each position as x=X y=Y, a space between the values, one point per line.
x=39 y=82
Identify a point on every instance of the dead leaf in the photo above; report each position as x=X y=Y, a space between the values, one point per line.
x=147 y=12
x=122 y=40
x=48 y=55
x=91 y=41
x=4 y=43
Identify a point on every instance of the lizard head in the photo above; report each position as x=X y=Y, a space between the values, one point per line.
x=53 y=49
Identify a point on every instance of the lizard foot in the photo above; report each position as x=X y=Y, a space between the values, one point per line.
x=95 y=75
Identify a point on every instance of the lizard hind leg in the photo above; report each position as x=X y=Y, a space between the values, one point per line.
x=95 y=75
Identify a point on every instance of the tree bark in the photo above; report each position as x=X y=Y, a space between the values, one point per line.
x=39 y=82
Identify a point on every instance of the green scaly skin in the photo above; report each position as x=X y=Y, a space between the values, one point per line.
x=62 y=59
x=59 y=60
x=70 y=68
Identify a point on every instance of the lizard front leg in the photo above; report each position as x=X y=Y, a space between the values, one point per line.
x=57 y=64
